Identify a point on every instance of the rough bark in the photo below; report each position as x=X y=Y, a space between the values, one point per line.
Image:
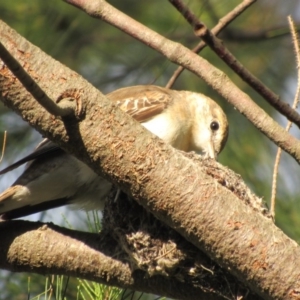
x=203 y=201
x=138 y=253
x=48 y=249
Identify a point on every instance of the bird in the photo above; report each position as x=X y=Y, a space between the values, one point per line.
x=186 y=120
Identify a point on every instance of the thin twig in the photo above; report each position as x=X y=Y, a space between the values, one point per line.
x=3 y=145
x=289 y=124
x=64 y=109
x=218 y=47
x=222 y=24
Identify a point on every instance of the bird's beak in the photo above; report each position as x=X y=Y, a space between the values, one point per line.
x=210 y=151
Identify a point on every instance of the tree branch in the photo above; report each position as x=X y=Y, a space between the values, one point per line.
x=138 y=254
x=211 y=75
x=46 y=248
x=218 y=47
x=66 y=107
x=222 y=24
x=186 y=193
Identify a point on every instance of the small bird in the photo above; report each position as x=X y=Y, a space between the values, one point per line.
x=188 y=121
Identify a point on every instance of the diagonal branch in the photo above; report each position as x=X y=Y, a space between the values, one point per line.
x=68 y=107
x=203 y=201
x=222 y=24
x=218 y=47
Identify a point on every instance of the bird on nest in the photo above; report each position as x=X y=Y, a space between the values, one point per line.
x=186 y=120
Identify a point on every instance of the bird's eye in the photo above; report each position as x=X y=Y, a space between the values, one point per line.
x=214 y=126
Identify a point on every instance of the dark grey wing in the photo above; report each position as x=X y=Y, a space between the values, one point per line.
x=32 y=209
x=44 y=149
x=40 y=162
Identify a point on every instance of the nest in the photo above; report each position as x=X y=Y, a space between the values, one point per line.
x=149 y=245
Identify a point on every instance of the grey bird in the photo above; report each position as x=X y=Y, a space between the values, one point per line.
x=186 y=120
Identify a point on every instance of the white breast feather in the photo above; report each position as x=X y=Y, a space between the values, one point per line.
x=164 y=127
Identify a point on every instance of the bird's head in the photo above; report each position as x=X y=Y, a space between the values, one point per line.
x=210 y=126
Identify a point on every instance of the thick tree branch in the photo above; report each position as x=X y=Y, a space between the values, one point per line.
x=49 y=249
x=207 y=204
x=64 y=108
x=140 y=254
x=191 y=61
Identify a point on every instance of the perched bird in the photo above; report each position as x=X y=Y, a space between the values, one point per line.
x=188 y=121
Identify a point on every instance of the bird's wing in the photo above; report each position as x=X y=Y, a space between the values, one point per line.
x=45 y=148
x=26 y=210
x=142 y=102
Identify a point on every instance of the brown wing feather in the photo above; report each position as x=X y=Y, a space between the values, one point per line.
x=142 y=102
